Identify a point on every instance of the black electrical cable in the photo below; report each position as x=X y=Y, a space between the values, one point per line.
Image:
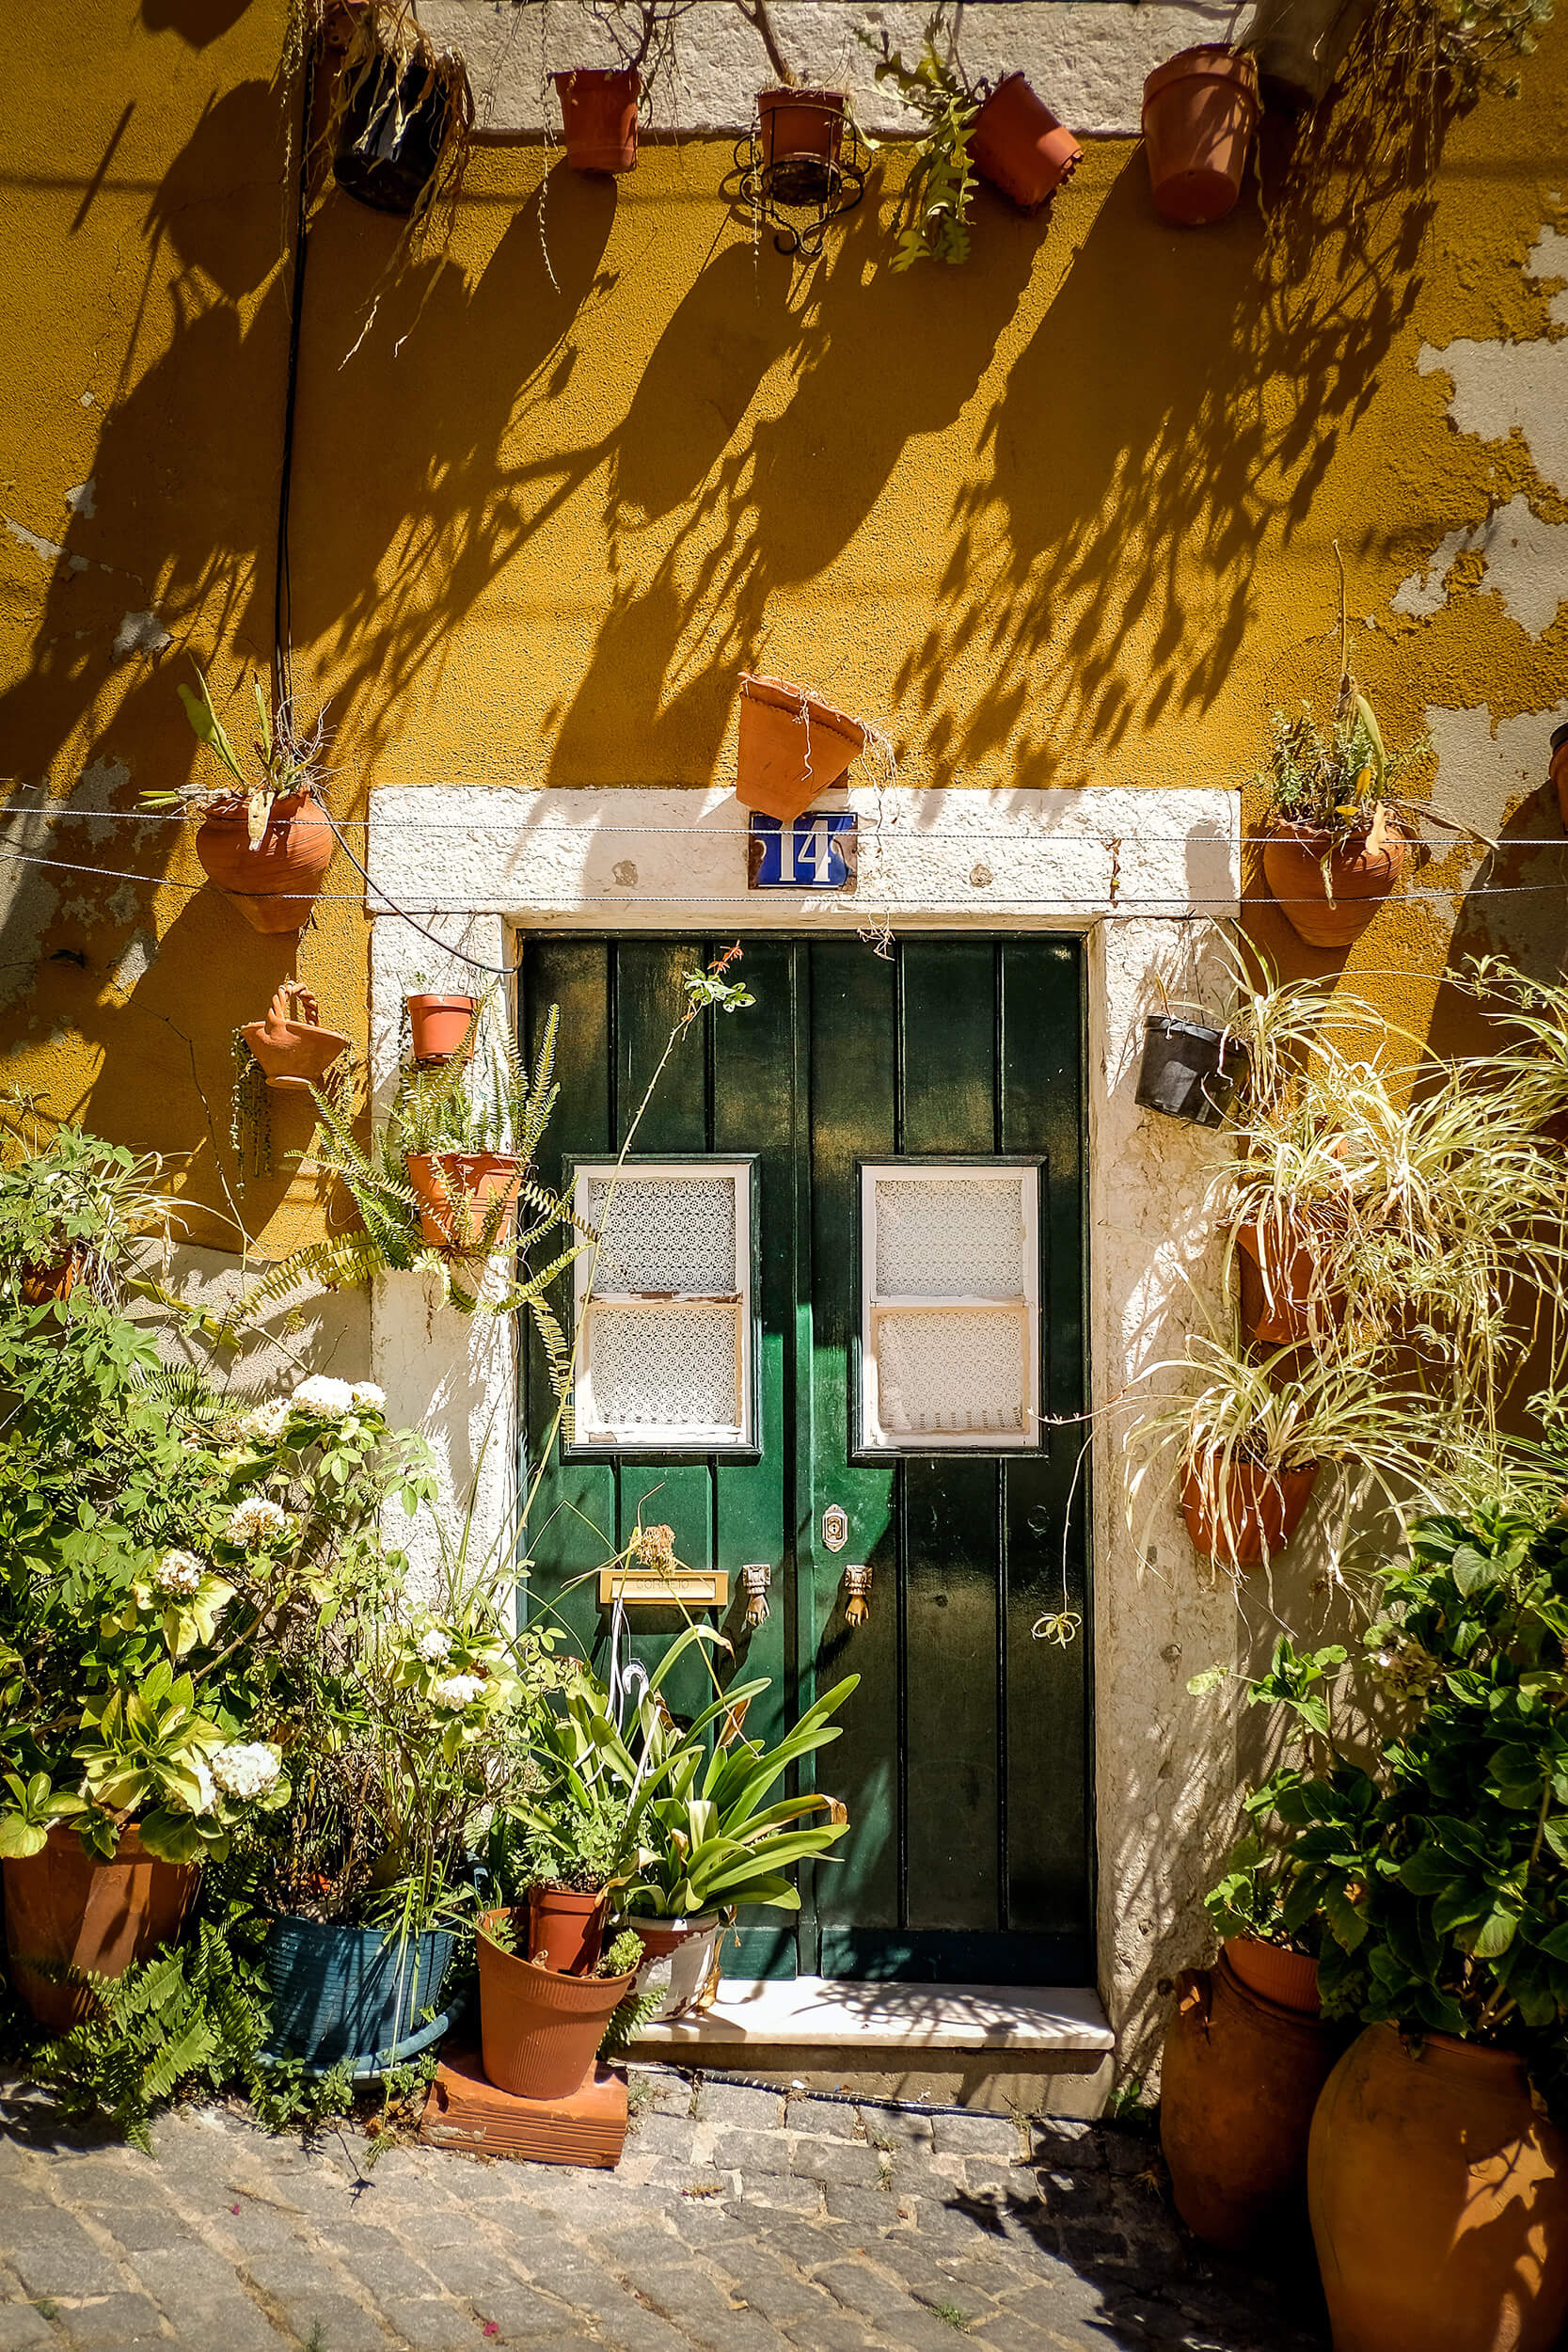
x=282 y=601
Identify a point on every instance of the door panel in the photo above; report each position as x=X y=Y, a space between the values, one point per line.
x=963 y=1755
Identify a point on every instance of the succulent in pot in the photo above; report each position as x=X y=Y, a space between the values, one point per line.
x=267 y=844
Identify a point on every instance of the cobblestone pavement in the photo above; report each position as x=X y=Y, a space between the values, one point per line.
x=736 y=2223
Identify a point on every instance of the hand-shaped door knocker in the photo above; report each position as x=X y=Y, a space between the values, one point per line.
x=857 y=1596
x=756 y=1577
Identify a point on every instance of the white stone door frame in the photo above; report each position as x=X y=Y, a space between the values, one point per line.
x=477 y=866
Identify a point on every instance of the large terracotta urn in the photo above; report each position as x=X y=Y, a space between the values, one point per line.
x=65 y=1907
x=1439 y=2200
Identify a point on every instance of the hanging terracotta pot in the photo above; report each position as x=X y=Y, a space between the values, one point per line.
x=1278 y=1305
x=1560 y=769
x=65 y=1906
x=1439 y=2200
x=792 y=747
x=1287 y=1978
x=1020 y=146
x=1264 y=1508
x=1239 y=2080
x=539 y=2031
x=456 y=1192
x=565 y=1927
x=1200 y=110
x=598 y=113
x=438 y=1025
x=801 y=137
x=295 y=1052
x=1362 y=879
x=274 y=884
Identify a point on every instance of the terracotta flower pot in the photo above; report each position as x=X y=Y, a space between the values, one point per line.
x=438 y=1025
x=456 y=1191
x=1558 y=771
x=792 y=747
x=801 y=135
x=1265 y=1510
x=1362 y=879
x=1020 y=146
x=1200 y=110
x=1287 y=1978
x=598 y=113
x=1439 y=2200
x=274 y=884
x=565 y=1927
x=295 y=1053
x=1276 y=1278
x=40 y=1283
x=539 y=2030
x=1239 y=2081
x=680 y=1962
x=65 y=1906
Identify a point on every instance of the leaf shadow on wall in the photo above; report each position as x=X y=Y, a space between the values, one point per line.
x=874 y=360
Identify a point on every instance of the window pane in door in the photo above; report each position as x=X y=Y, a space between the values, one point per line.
x=663 y=1368
x=952 y=1371
x=664 y=1233
x=949 y=1237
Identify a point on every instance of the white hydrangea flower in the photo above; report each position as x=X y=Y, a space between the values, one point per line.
x=180 y=1573
x=323 y=1395
x=247 y=1769
x=457 y=1691
x=207 y=1796
x=366 y=1397
x=258 y=1520
x=434 y=1645
x=268 y=1420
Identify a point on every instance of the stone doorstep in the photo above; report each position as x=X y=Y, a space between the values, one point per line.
x=1047 y=2050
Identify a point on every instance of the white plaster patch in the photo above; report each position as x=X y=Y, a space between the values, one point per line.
x=1549 y=258
x=45 y=549
x=1486 y=767
x=1087 y=63
x=81 y=501
x=1499 y=387
x=134 y=962
x=30 y=893
x=1526 y=564
x=140 y=632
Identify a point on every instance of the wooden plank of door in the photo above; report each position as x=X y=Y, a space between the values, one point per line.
x=572 y=1527
x=853 y=1053
x=1048 y=1682
x=950 y=1531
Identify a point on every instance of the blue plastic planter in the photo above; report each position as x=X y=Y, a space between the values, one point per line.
x=353 y=1993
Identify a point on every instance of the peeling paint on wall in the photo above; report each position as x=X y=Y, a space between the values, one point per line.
x=46 y=548
x=81 y=501
x=140 y=632
x=1501 y=387
x=1524 y=562
x=30 y=896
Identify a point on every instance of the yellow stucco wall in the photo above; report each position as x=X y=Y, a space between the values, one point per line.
x=1062 y=517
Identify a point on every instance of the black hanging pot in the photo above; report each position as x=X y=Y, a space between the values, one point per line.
x=1189 y=1071
x=395 y=131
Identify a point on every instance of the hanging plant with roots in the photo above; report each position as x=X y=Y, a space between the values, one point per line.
x=392 y=79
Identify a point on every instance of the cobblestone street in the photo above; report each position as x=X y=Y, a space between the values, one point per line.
x=738 y=2222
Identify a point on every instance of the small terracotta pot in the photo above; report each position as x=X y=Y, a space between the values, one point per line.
x=274 y=885
x=1265 y=1510
x=293 y=1054
x=565 y=1927
x=1278 y=1306
x=1439 y=2200
x=538 y=2030
x=1239 y=2080
x=1287 y=1978
x=456 y=1190
x=598 y=113
x=40 y=1283
x=1292 y=867
x=792 y=747
x=1020 y=146
x=438 y=1025
x=65 y=1906
x=801 y=136
x=1558 y=769
x=680 y=1962
x=1200 y=110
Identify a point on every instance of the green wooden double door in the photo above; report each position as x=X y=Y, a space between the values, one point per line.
x=839 y=1304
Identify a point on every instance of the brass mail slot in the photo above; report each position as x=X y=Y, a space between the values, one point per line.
x=659 y=1587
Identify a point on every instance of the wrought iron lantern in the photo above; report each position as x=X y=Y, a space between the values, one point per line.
x=801 y=165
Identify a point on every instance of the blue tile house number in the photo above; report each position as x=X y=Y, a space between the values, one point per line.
x=815 y=852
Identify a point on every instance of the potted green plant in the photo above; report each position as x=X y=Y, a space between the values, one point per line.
x=1335 y=840
x=1430 y=1844
x=441 y=1028
x=541 y=2028
x=1003 y=131
x=268 y=844
x=70 y=1210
